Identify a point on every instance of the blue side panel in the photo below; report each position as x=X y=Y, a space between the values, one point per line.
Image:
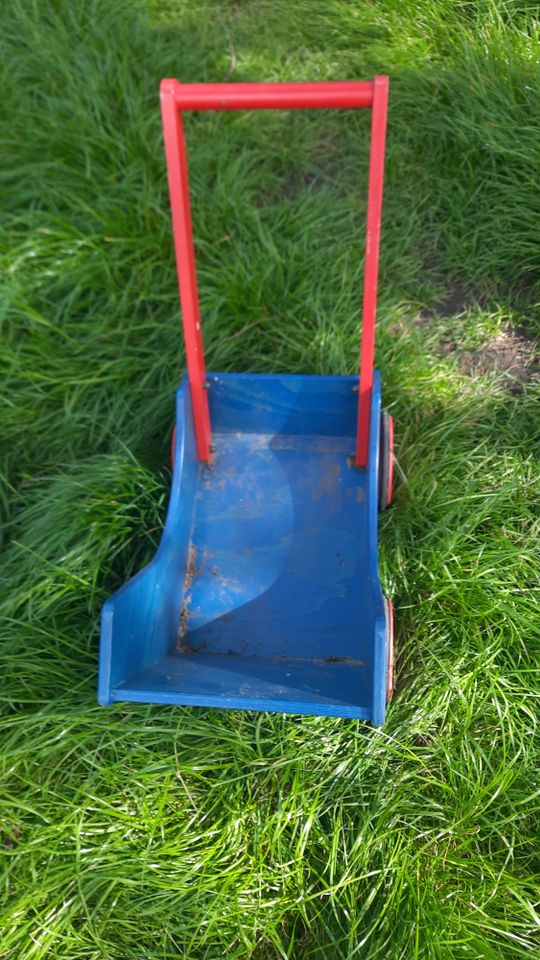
x=309 y=687
x=288 y=404
x=139 y=623
x=380 y=640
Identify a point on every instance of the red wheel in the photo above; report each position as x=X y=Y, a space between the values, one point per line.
x=389 y=610
x=173 y=445
x=386 y=460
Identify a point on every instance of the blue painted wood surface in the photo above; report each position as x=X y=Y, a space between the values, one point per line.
x=264 y=593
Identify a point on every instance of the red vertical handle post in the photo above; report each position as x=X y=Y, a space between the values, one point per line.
x=371 y=266
x=175 y=152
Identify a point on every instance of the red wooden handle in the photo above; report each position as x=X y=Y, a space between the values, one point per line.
x=177 y=97
x=271 y=96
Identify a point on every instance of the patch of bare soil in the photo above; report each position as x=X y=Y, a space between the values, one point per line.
x=456 y=300
x=510 y=354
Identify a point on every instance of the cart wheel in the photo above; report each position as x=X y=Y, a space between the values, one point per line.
x=173 y=444
x=386 y=460
x=389 y=610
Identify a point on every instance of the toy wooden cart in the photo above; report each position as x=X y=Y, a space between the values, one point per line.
x=264 y=593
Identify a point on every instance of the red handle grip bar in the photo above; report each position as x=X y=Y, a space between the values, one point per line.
x=271 y=96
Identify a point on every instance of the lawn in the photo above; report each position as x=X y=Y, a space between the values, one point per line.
x=137 y=832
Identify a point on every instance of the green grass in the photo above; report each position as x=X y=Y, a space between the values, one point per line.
x=146 y=832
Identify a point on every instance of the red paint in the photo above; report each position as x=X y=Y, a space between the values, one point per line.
x=175 y=151
x=371 y=267
x=273 y=96
x=176 y=97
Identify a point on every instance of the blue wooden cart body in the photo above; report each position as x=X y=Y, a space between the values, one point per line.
x=264 y=593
